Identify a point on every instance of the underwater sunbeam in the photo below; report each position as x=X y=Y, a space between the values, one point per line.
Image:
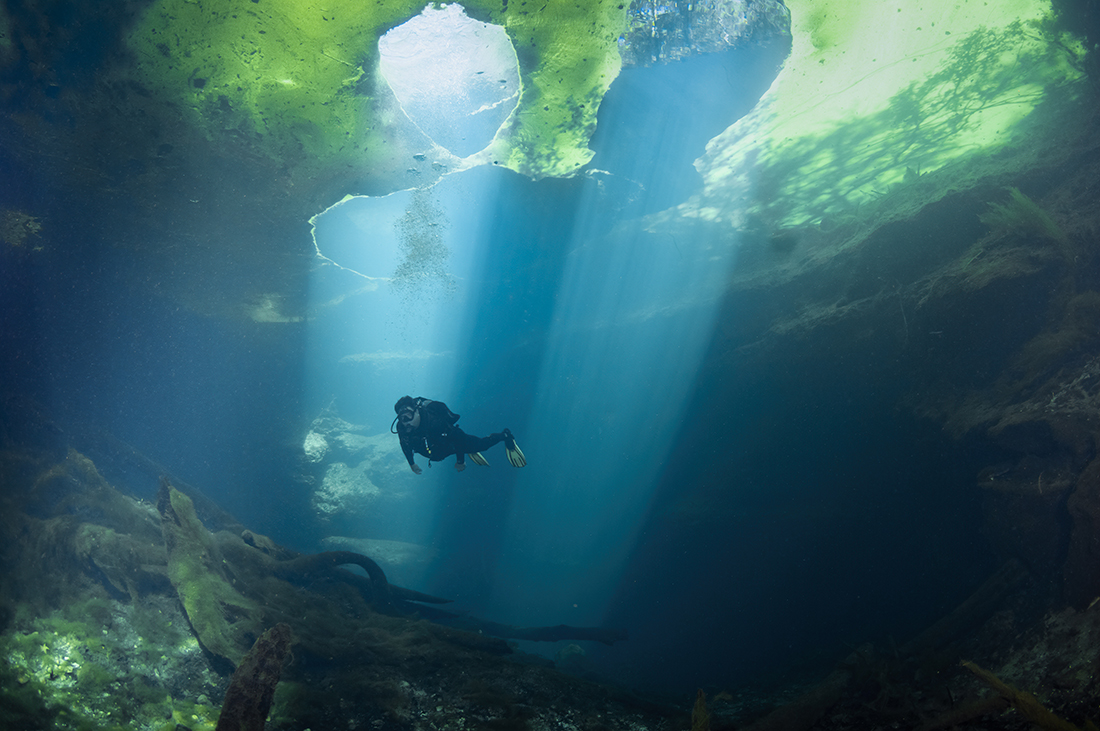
x=387 y=299
x=634 y=314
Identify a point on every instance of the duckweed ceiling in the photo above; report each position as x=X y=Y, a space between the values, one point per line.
x=224 y=126
x=877 y=95
x=298 y=77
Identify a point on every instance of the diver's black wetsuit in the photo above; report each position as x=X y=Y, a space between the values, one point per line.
x=430 y=429
x=453 y=441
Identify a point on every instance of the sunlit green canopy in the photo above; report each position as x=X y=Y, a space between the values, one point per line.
x=297 y=76
x=876 y=95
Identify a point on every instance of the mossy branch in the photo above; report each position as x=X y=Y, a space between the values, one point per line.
x=1027 y=704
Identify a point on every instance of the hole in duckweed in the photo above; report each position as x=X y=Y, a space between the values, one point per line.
x=457 y=79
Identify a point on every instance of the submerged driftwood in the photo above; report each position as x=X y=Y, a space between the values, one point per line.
x=252 y=687
x=1024 y=702
x=224 y=582
x=222 y=617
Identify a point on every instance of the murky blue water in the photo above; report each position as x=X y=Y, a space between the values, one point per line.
x=729 y=542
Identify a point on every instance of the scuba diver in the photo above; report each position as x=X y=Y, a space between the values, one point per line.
x=431 y=430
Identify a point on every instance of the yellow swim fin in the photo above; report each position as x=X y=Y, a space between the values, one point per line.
x=515 y=454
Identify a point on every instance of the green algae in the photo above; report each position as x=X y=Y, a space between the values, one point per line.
x=295 y=82
x=568 y=58
x=60 y=671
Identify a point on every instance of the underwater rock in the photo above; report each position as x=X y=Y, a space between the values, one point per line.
x=93 y=625
x=972 y=613
x=342 y=440
x=921 y=688
x=345 y=490
x=556 y=633
x=252 y=687
x=132 y=566
x=90 y=627
x=1048 y=413
x=1023 y=505
x=571 y=658
x=73 y=524
x=315 y=446
x=77 y=643
x=350 y=467
x=75 y=487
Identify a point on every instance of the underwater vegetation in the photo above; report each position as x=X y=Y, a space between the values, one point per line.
x=1072 y=334
x=99 y=644
x=103 y=665
x=1022 y=216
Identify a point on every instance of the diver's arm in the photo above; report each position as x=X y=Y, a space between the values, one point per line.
x=406 y=447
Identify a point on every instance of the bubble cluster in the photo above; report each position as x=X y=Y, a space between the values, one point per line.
x=422 y=272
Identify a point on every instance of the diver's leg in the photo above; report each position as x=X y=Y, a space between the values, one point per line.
x=467 y=443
